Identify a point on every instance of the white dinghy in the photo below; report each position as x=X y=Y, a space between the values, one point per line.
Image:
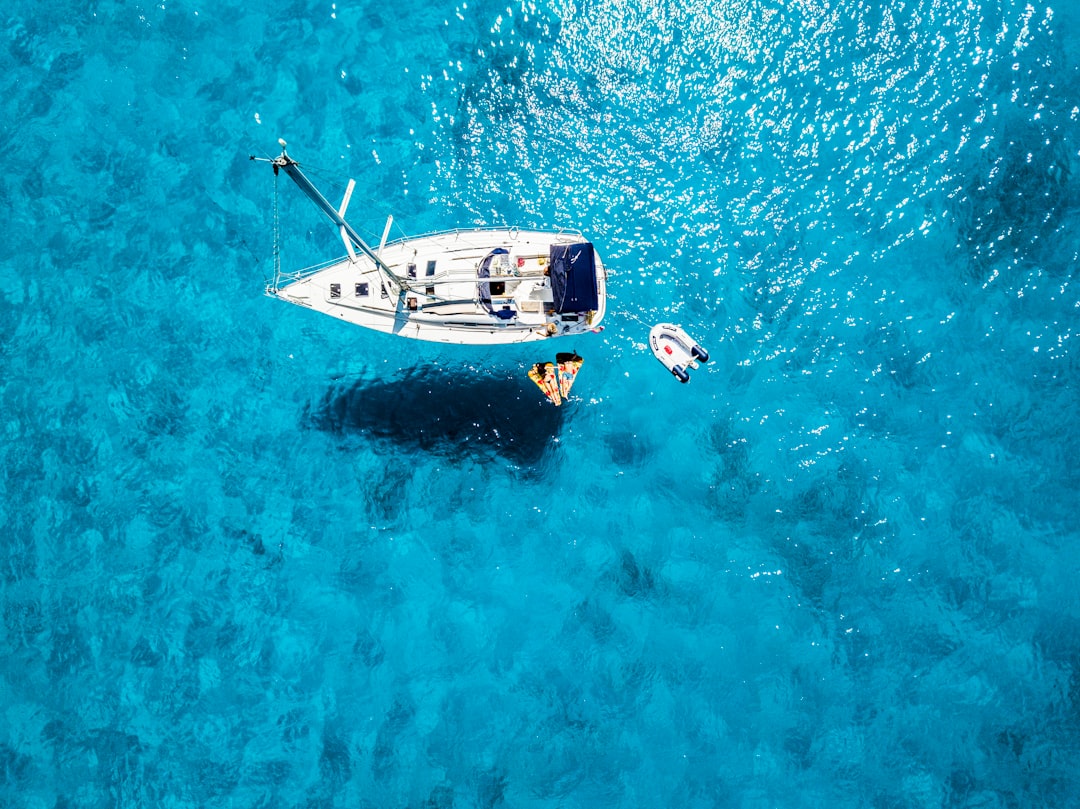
x=676 y=350
x=483 y=286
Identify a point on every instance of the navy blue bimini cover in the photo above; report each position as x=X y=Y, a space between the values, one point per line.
x=573 y=277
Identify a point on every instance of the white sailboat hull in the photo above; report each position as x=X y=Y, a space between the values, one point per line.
x=477 y=287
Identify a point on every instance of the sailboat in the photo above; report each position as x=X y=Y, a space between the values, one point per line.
x=478 y=286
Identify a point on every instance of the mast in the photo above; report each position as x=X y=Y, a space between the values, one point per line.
x=348 y=234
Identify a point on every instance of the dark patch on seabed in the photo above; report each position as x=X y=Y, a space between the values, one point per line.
x=457 y=413
x=1015 y=196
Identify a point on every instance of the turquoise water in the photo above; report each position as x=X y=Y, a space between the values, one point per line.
x=251 y=557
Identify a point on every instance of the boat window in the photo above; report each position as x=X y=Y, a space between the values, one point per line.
x=431 y=268
x=362 y=290
x=429 y=291
x=412 y=270
x=335 y=290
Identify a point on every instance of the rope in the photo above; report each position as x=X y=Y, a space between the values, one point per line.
x=635 y=317
x=277 y=236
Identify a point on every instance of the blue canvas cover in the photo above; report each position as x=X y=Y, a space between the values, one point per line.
x=573 y=277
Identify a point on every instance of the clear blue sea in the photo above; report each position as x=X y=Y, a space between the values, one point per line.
x=253 y=557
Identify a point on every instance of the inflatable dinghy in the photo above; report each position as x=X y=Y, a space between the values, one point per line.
x=676 y=350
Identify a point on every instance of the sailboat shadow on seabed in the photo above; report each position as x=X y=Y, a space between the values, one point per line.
x=456 y=413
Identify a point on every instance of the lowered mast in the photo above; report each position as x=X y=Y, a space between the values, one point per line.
x=348 y=235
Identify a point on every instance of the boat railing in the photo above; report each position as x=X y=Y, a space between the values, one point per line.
x=513 y=230
x=284 y=278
